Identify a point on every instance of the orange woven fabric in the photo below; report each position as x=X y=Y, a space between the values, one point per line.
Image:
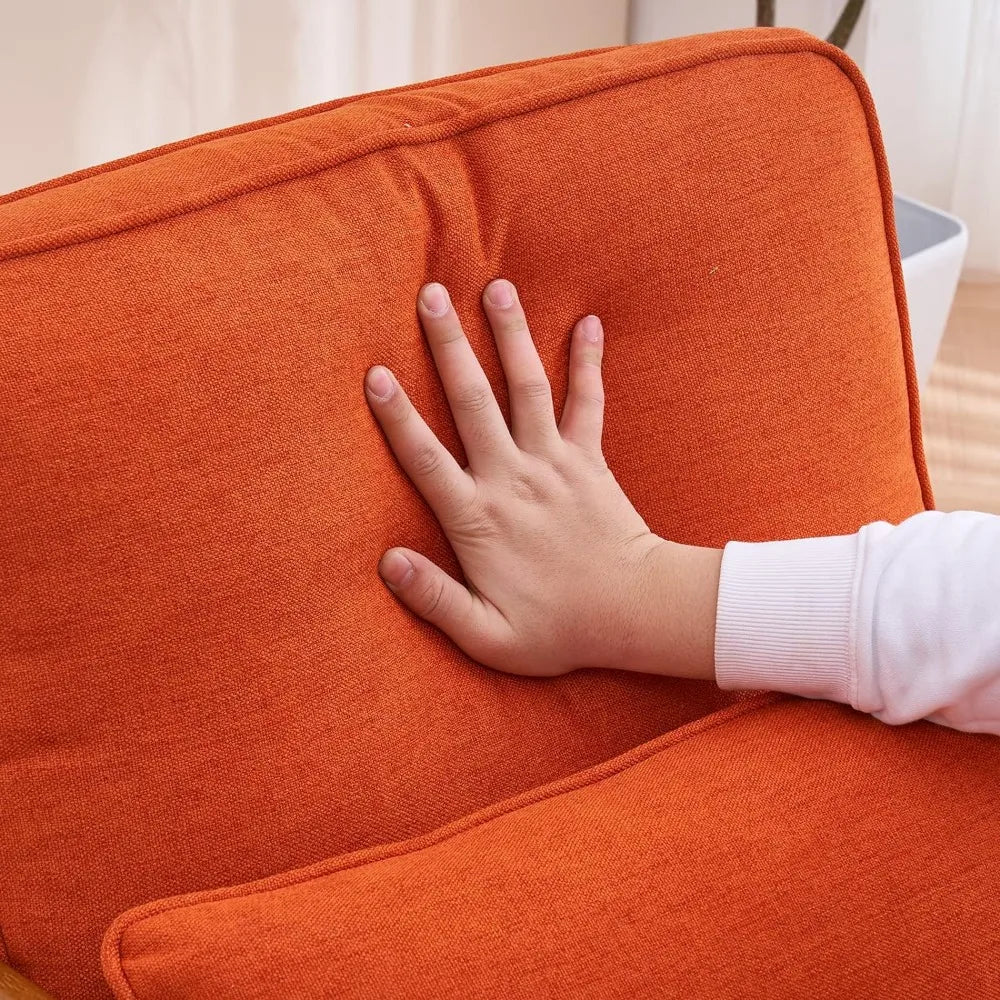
x=202 y=679
x=780 y=849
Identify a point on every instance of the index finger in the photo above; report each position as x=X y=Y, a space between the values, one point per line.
x=430 y=466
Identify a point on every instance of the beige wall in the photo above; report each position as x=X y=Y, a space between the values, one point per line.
x=483 y=34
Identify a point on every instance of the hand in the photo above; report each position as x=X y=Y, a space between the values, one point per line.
x=560 y=570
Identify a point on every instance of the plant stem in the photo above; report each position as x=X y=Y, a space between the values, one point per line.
x=765 y=13
x=842 y=30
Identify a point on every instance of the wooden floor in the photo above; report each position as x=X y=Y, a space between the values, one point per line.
x=961 y=404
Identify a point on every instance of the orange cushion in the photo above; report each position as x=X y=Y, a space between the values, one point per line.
x=779 y=850
x=202 y=679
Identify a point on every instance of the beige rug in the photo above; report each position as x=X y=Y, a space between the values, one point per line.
x=961 y=404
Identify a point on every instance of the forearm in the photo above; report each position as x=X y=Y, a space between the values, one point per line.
x=899 y=621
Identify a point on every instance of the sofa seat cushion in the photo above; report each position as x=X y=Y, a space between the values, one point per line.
x=780 y=849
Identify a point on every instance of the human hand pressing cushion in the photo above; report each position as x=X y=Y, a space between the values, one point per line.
x=561 y=571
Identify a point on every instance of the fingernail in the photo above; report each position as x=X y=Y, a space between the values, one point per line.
x=379 y=382
x=590 y=329
x=395 y=568
x=435 y=298
x=500 y=293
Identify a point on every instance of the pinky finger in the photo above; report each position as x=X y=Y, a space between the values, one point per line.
x=583 y=415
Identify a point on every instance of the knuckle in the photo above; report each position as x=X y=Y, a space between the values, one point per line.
x=431 y=600
x=515 y=324
x=599 y=463
x=534 y=389
x=580 y=467
x=588 y=390
x=426 y=460
x=400 y=409
x=476 y=522
x=527 y=488
x=473 y=398
x=450 y=333
x=587 y=362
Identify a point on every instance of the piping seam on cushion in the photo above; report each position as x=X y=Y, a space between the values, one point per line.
x=438 y=132
x=203 y=138
x=790 y=43
x=112 y=960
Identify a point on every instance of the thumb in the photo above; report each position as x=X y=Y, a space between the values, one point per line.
x=433 y=595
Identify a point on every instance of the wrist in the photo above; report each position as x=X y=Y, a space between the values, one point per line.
x=673 y=628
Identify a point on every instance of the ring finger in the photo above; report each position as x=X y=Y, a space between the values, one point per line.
x=532 y=418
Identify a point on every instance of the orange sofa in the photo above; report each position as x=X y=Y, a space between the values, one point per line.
x=229 y=755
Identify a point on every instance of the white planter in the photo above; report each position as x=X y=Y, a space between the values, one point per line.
x=932 y=245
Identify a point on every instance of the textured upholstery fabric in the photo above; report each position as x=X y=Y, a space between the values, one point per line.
x=781 y=849
x=202 y=679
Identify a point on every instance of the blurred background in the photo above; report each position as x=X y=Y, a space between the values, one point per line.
x=85 y=81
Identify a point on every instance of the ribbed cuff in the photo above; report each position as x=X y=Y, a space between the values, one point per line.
x=784 y=617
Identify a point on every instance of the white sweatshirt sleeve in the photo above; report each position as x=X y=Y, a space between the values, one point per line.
x=902 y=622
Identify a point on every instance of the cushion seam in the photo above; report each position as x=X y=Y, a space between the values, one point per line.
x=601 y=772
x=404 y=138
x=311 y=111
x=877 y=149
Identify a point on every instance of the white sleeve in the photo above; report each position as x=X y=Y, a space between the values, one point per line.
x=902 y=622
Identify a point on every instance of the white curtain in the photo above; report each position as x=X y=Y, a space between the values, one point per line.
x=174 y=68
x=934 y=70
x=147 y=72
x=84 y=81
x=976 y=188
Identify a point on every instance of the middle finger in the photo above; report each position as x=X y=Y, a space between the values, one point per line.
x=478 y=417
